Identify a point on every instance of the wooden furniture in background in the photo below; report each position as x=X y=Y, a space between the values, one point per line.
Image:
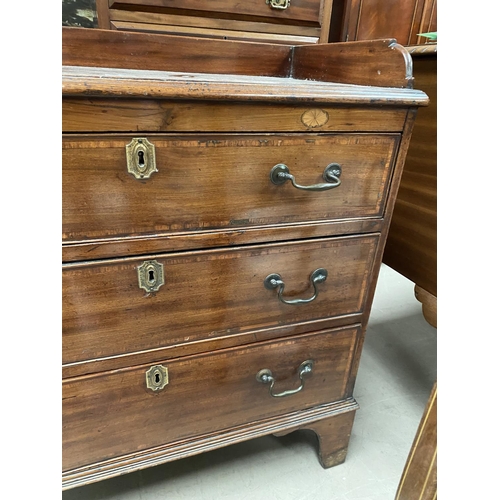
x=411 y=247
x=277 y=21
x=411 y=250
x=399 y=19
x=419 y=479
x=222 y=235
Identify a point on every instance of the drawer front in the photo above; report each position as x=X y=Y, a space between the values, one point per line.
x=209 y=294
x=219 y=182
x=298 y=10
x=114 y=413
x=88 y=114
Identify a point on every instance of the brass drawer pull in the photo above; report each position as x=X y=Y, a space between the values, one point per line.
x=274 y=281
x=280 y=173
x=278 y=4
x=141 y=159
x=265 y=376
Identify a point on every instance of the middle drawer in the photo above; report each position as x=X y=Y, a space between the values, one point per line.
x=209 y=294
x=218 y=182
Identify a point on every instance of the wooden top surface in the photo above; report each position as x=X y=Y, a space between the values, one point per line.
x=117 y=82
x=115 y=64
x=428 y=49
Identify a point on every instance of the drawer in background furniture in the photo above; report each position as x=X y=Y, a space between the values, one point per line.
x=112 y=414
x=298 y=10
x=208 y=295
x=82 y=114
x=214 y=182
x=224 y=29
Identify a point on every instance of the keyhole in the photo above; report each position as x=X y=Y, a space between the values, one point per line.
x=157 y=378
x=151 y=276
x=140 y=156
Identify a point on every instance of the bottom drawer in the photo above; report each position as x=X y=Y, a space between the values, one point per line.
x=115 y=413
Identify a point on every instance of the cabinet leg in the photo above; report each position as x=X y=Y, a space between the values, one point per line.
x=333 y=436
x=429 y=305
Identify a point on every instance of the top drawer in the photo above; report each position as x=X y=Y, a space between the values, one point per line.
x=296 y=10
x=214 y=182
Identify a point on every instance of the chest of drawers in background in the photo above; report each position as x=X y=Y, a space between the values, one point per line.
x=276 y=21
x=222 y=235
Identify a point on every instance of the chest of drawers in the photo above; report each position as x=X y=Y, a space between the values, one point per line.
x=222 y=235
x=274 y=21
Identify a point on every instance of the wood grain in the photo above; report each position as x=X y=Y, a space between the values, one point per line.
x=188 y=447
x=299 y=10
x=125 y=83
x=391 y=200
x=208 y=23
x=192 y=240
x=429 y=305
x=113 y=413
x=219 y=231
x=115 y=49
x=419 y=478
x=87 y=114
x=203 y=32
x=215 y=181
x=208 y=294
x=382 y=63
x=411 y=247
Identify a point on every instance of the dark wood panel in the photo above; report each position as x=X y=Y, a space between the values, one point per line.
x=208 y=295
x=114 y=49
x=221 y=34
x=381 y=63
x=299 y=10
x=411 y=247
x=388 y=19
x=113 y=413
x=214 y=182
x=428 y=21
x=402 y=20
x=209 y=23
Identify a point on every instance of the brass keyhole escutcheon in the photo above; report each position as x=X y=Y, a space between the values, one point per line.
x=141 y=158
x=157 y=377
x=278 y=4
x=150 y=275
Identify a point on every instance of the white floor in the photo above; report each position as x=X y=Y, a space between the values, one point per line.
x=396 y=374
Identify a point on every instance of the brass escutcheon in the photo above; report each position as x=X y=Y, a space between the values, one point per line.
x=150 y=274
x=141 y=159
x=278 y=4
x=157 y=377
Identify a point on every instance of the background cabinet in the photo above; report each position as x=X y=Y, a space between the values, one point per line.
x=373 y=19
x=274 y=21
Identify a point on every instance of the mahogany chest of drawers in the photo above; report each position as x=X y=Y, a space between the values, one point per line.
x=273 y=21
x=225 y=209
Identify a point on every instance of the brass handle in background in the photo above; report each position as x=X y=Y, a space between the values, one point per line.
x=280 y=173
x=141 y=159
x=278 y=4
x=274 y=281
x=265 y=376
